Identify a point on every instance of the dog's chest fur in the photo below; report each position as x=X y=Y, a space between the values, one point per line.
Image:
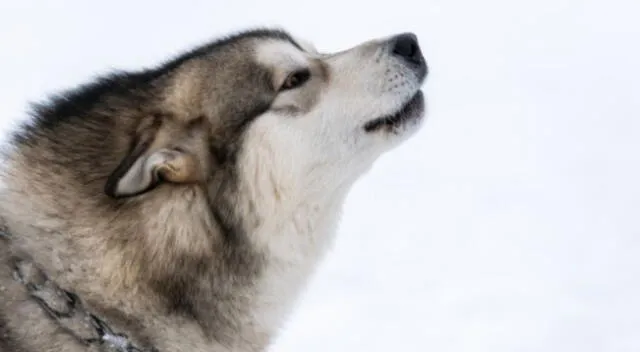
x=292 y=241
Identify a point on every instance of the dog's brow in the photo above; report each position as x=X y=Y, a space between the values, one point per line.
x=281 y=54
x=306 y=45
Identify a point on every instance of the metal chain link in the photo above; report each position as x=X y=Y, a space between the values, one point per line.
x=68 y=311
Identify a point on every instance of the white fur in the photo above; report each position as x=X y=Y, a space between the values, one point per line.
x=297 y=170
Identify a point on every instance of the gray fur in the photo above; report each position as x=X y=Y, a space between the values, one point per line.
x=182 y=280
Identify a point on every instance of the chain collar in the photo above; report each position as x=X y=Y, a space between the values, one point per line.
x=68 y=311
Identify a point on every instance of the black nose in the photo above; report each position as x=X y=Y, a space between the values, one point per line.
x=406 y=46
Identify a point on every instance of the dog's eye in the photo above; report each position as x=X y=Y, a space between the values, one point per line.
x=296 y=79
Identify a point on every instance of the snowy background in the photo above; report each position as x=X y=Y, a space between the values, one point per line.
x=510 y=223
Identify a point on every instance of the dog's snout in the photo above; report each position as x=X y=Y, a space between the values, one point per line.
x=406 y=47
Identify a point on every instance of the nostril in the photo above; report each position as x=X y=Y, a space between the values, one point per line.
x=406 y=46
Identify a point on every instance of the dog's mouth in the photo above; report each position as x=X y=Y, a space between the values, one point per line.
x=412 y=110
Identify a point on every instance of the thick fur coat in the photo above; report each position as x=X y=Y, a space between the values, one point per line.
x=187 y=204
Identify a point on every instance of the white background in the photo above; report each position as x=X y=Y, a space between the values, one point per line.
x=510 y=223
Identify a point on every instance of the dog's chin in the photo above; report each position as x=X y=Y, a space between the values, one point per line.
x=410 y=112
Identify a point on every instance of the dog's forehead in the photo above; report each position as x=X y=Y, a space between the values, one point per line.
x=282 y=54
x=306 y=45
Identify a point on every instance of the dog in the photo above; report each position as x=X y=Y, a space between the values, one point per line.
x=183 y=207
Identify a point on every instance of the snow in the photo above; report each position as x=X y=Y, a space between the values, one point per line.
x=509 y=223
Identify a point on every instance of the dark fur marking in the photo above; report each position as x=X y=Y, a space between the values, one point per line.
x=207 y=48
x=78 y=102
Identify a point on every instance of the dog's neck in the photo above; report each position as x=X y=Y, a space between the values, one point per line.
x=177 y=249
x=276 y=249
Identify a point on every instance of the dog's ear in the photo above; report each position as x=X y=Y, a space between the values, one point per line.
x=143 y=170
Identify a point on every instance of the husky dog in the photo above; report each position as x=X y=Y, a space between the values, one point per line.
x=183 y=207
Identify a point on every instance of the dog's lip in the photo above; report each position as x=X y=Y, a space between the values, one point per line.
x=412 y=109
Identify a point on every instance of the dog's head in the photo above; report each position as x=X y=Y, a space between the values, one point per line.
x=277 y=109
